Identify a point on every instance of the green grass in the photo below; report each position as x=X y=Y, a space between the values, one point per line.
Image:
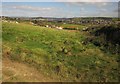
x=72 y=26
x=58 y=53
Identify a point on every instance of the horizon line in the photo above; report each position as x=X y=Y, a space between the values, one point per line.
x=61 y=17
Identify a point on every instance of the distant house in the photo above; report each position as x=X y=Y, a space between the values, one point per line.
x=32 y=23
x=59 y=28
x=47 y=26
x=4 y=21
x=85 y=29
x=16 y=22
x=10 y=21
x=53 y=26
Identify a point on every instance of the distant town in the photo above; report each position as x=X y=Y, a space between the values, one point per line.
x=50 y=22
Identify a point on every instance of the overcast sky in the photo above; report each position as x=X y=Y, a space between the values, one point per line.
x=58 y=8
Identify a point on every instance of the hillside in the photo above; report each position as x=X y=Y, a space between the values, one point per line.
x=59 y=54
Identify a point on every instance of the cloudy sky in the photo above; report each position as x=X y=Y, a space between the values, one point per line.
x=61 y=8
x=59 y=0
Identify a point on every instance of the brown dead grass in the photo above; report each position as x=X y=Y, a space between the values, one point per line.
x=19 y=72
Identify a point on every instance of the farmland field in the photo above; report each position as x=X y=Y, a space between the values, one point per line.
x=57 y=54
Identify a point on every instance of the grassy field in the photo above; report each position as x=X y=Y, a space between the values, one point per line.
x=72 y=26
x=59 y=54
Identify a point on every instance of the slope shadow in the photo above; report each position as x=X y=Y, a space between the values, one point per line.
x=106 y=37
x=110 y=33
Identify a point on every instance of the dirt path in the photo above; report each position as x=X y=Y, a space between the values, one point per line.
x=19 y=72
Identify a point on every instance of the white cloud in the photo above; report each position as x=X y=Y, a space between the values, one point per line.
x=26 y=10
x=86 y=0
x=71 y=9
x=0 y=9
x=104 y=10
x=82 y=4
x=31 y=8
x=60 y=0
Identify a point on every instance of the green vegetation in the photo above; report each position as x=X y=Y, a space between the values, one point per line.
x=58 y=53
x=72 y=26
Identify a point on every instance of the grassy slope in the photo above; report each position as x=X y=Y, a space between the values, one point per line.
x=58 y=53
x=14 y=71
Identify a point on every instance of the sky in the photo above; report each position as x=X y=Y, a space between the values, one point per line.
x=61 y=8
x=59 y=0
